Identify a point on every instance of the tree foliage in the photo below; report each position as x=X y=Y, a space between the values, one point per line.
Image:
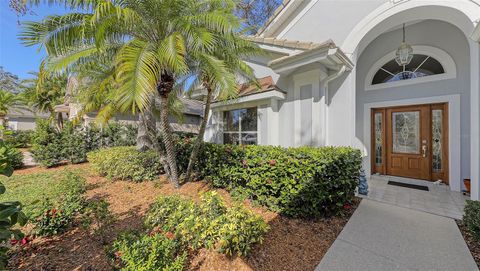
x=255 y=13
x=9 y=81
x=152 y=41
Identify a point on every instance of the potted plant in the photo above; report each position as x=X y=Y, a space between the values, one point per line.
x=466 y=182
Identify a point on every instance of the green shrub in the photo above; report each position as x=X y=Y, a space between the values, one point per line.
x=50 y=147
x=240 y=230
x=299 y=182
x=47 y=148
x=58 y=216
x=126 y=163
x=11 y=214
x=20 y=139
x=471 y=218
x=110 y=135
x=209 y=224
x=74 y=145
x=149 y=252
x=11 y=156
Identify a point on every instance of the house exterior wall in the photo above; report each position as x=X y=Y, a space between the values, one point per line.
x=428 y=33
x=22 y=123
x=340 y=102
x=319 y=23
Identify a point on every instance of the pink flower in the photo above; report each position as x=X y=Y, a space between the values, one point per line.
x=244 y=162
x=273 y=162
x=24 y=241
x=347 y=206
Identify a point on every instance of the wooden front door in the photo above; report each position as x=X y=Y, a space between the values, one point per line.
x=411 y=141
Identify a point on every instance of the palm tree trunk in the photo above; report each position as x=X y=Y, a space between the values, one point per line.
x=168 y=141
x=147 y=134
x=146 y=124
x=198 y=142
x=164 y=89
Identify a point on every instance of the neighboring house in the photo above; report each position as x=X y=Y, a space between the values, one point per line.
x=332 y=77
x=19 y=119
x=192 y=116
x=192 y=112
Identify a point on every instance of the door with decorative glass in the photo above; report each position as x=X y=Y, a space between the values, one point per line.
x=411 y=141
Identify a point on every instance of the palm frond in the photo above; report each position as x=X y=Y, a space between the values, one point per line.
x=138 y=72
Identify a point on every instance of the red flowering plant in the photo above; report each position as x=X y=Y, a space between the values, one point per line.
x=23 y=242
x=52 y=221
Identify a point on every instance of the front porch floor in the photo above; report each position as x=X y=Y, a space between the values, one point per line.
x=439 y=200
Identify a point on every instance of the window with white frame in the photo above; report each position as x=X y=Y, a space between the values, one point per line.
x=420 y=66
x=240 y=126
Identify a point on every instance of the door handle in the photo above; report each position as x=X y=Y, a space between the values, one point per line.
x=424 y=151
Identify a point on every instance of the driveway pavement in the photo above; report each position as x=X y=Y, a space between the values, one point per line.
x=384 y=237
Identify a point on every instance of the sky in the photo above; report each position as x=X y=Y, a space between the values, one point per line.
x=14 y=56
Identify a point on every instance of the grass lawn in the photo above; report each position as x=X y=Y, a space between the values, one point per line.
x=30 y=188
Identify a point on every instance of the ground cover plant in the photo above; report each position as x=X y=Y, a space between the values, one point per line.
x=471 y=218
x=177 y=226
x=34 y=188
x=209 y=224
x=58 y=214
x=290 y=244
x=126 y=163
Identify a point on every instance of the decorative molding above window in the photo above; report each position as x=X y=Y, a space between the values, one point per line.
x=428 y=64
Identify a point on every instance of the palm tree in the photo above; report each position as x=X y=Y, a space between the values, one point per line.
x=97 y=93
x=44 y=92
x=154 y=39
x=217 y=73
x=10 y=102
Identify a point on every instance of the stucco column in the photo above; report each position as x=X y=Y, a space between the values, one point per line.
x=475 y=120
x=273 y=123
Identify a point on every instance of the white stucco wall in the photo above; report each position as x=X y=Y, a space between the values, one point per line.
x=23 y=123
x=329 y=19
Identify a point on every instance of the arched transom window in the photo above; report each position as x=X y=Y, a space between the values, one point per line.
x=421 y=66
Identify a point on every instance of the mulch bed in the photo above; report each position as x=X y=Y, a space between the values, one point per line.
x=291 y=244
x=472 y=244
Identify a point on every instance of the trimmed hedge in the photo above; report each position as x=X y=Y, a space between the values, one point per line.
x=51 y=147
x=471 y=218
x=126 y=163
x=47 y=146
x=299 y=182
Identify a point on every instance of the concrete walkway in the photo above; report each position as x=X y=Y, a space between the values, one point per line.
x=385 y=237
x=439 y=200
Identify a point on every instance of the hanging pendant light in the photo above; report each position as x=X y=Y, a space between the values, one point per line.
x=404 y=53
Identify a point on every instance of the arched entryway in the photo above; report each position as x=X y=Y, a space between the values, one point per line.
x=446 y=27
